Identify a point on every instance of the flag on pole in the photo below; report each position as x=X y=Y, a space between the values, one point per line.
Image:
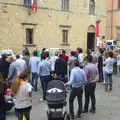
x=34 y=5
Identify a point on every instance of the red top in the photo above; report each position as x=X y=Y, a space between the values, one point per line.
x=65 y=57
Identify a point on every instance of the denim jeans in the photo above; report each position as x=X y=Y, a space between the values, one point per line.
x=44 y=82
x=108 y=81
x=19 y=114
x=34 y=80
x=2 y=116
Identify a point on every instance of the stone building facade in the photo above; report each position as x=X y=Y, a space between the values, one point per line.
x=56 y=24
x=113 y=22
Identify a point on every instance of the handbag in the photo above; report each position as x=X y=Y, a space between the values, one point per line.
x=24 y=118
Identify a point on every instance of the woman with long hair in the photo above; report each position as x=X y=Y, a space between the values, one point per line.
x=22 y=92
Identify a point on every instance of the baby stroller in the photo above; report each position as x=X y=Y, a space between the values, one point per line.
x=56 y=100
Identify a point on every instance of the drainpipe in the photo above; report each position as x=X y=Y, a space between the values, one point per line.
x=112 y=20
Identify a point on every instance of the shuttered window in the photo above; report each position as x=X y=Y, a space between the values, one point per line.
x=92 y=7
x=65 y=5
x=29 y=36
x=64 y=36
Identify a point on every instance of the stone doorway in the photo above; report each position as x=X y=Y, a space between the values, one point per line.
x=91 y=37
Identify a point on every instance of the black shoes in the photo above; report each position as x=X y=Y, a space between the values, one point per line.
x=92 y=111
x=78 y=116
x=84 y=111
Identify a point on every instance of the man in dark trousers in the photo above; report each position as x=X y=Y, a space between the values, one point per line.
x=91 y=72
x=61 y=68
x=77 y=81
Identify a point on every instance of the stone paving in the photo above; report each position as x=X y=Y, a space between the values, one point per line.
x=108 y=105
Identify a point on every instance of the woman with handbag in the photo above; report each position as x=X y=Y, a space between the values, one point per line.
x=22 y=92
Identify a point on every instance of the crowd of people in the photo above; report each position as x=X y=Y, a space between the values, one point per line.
x=24 y=72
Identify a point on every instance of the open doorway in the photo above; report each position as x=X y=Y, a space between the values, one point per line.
x=91 y=37
x=91 y=40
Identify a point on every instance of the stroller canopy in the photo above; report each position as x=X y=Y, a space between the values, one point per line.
x=56 y=92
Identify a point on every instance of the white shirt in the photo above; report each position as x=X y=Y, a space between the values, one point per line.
x=52 y=61
x=20 y=65
x=33 y=63
x=109 y=65
x=81 y=58
x=22 y=99
x=118 y=59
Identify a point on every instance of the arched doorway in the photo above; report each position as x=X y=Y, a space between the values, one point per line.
x=91 y=37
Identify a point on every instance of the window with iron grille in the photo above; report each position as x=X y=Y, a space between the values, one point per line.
x=65 y=5
x=92 y=7
x=65 y=36
x=29 y=36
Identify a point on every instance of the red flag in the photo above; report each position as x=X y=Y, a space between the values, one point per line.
x=34 y=5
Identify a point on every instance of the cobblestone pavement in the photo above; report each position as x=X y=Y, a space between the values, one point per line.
x=108 y=105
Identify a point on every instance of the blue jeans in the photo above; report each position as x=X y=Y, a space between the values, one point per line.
x=2 y=116
x=19 y=114
x=34 y=80
x=44 y=82
x=108 y=81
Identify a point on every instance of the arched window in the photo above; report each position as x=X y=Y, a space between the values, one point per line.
x=92 y=7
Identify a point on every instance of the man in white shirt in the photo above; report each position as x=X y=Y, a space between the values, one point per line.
x=20 y=65
x=33 y=63
x=52 y=61
x=108 y=72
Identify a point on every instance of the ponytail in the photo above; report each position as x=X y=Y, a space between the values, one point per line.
x=15 y=86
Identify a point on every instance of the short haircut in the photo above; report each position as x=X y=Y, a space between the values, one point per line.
x=76 y=62
x=89 y=58
x=43 y=49
x=17 y=56
x=111 y=54
x=35 y=53
x=46 y=54
x=27 y=53
x=72 y=53
x=63 y=51
x=101 y=51
x=43 y=56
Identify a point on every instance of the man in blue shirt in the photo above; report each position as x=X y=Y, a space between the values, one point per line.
x=77 y=81
x=44 y=69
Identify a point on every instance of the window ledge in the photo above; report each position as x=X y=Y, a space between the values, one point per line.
x=30 y=45
x=92 y=14
x=65 y=44
x=65 y=10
